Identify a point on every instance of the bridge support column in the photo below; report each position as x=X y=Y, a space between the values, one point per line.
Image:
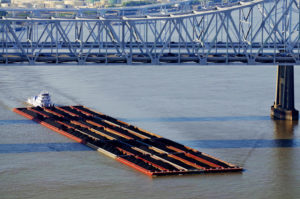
x=283 y=107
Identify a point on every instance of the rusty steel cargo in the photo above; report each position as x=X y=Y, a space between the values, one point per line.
x=144 y=151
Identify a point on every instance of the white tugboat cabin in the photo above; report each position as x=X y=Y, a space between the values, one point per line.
x=42 y=100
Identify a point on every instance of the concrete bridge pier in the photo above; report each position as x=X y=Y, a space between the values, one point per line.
x=283 y=107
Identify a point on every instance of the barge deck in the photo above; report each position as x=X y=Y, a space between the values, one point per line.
x=144 y=151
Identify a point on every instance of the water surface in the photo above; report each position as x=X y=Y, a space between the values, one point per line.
x=220 y=110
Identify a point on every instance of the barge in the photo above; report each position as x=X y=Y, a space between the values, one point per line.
x=142 y=150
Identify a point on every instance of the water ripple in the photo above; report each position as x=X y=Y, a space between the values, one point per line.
x=6 y=122
x=42 y=147
x=251 y=143
x=197 y=119
x=217 y=144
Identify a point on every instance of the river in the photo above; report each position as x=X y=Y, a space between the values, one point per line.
x=220 y=110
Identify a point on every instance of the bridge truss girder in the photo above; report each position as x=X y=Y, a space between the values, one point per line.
x=252 y=32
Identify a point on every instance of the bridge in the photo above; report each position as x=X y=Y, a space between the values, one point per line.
x=253 y=32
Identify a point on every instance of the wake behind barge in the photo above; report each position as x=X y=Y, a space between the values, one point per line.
x=146 y=152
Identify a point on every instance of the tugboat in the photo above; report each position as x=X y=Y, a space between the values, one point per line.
x=42 y=100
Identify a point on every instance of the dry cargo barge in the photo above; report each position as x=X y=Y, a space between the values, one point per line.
x=147 y=152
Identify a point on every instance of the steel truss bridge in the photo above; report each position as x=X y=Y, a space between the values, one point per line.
x=245 y=32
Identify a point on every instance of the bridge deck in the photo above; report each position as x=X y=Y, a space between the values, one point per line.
x=104 y=58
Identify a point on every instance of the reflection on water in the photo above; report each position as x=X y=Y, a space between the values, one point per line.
x=284 y=129
x=285 y=160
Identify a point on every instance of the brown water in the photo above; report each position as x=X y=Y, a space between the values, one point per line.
x=220 y=110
